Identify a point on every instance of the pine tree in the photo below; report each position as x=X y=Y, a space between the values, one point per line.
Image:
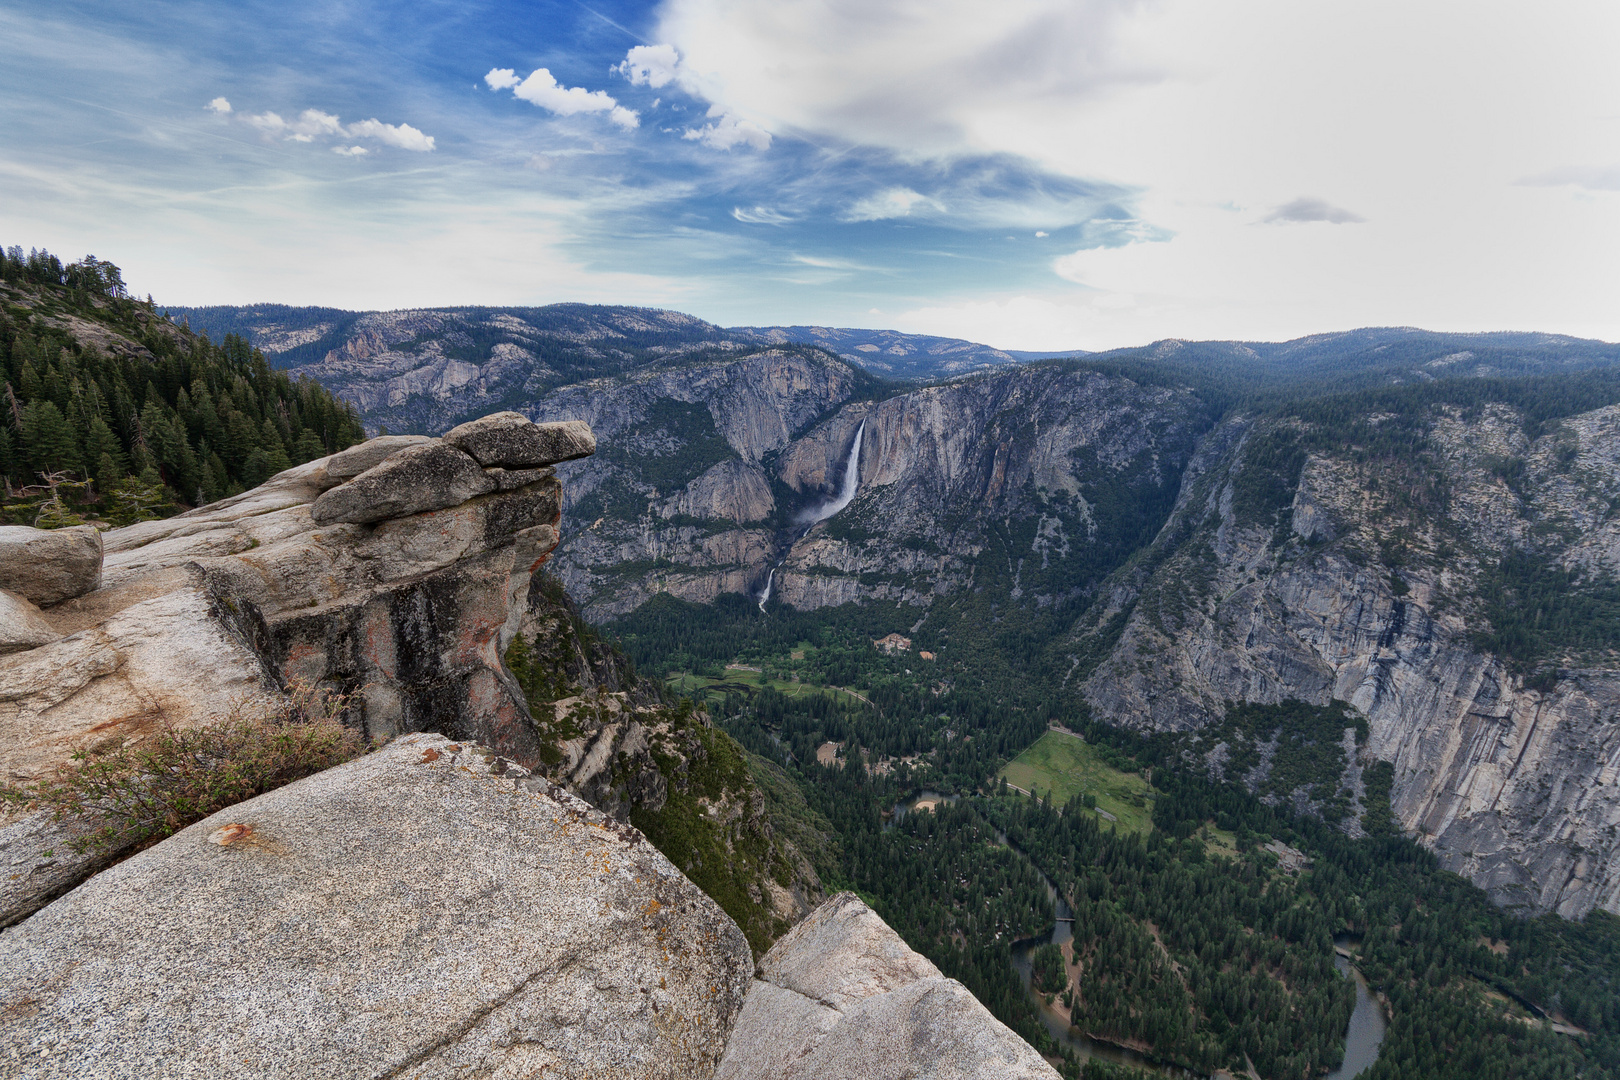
x=99 y=443
x=9 y=459
x=50 y=442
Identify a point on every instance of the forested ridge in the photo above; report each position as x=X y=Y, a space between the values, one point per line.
x=110 y=412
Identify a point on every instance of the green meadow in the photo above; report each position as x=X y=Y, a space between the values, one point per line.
x=1064 y=767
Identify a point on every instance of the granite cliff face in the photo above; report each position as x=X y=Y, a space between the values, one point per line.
x=1297 y=567
x=1016 y=461
x=683 y=500
x=720 y=471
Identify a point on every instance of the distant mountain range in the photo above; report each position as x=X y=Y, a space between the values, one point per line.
x=295 y=337
x=892 y=354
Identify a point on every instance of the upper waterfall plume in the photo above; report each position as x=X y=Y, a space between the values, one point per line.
x=846 y=492
x=846 y=495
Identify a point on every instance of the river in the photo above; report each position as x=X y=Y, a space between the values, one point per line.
x=1055 y=1023
x=1367 y=1022
x=1083 y=1047
x=1367 y=1026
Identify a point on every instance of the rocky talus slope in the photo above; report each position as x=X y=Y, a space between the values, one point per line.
x=1320 y=572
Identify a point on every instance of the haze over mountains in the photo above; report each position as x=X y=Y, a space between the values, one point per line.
x=1182 y=500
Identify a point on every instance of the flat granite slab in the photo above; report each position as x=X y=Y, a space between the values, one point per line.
x=425 y=911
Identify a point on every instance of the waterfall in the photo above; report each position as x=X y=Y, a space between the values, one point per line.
x=846 y=495
x=852 y=481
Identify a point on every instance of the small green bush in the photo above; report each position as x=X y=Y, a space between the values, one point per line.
x=137 y=793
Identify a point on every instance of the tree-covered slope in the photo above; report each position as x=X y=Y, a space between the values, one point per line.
x=108 y=410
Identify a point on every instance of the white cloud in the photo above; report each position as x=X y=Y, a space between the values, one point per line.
x=220 y=105
x=659 y=65
x=728 y=131
x=544 y=91
x=401 y=135
x=1452 y=137
x=1587 y=177
x=1041 y=234
x=1305 y=209
x=501 y=78
x=916 y=77
x=896 y=202
x=350 y=151
x=309 y=124
x=649 y=65
x=313 y=124
x=822 y=263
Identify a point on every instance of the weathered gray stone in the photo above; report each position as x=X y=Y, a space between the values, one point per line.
x=227 y=603
x=38 y=862
x=425 y=911
x=512 y=479
x=21 y=626
x=508 y=440
x=841 y=995
x=168 y=649
x=47 y=566
x=347 y=464
x=429 y=476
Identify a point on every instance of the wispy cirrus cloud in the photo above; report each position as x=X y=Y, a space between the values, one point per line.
x=894 y=202
x=760 y=215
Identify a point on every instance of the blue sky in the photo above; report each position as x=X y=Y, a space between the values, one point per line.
x=1030 y=173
